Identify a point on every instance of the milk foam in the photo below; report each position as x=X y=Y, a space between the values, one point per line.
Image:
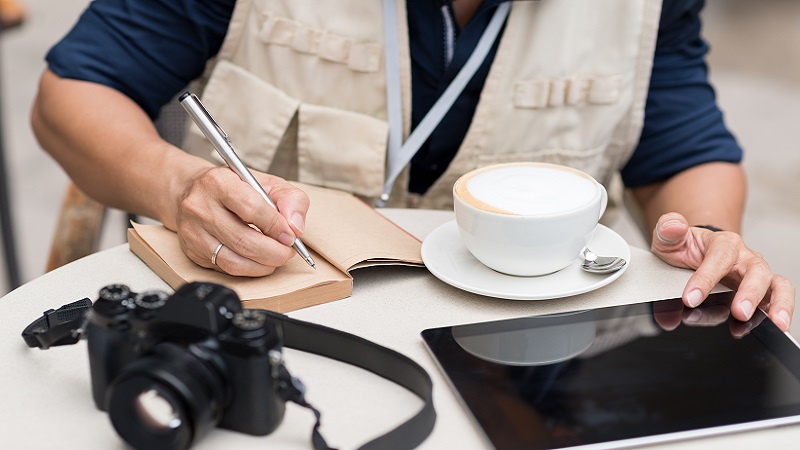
x=529 y=190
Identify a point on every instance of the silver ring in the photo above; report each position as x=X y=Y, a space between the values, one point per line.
x=214 y=255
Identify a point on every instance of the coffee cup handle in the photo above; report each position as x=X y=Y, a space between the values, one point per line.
x=603 y=200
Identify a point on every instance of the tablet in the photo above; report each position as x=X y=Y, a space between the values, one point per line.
x=621 y=376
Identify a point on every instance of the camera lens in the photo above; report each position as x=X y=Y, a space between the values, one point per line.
x=156 y=412
x=167 y=399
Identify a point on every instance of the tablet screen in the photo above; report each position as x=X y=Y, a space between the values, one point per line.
x=625 y=375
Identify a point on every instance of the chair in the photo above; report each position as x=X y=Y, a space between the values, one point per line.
x=80 y=220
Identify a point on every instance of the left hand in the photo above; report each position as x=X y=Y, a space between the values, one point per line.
x=723 y=257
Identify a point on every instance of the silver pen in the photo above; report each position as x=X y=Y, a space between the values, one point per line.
x=222 y=143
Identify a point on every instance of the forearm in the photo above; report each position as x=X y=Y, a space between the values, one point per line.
x=110 y=148
x=708 y=194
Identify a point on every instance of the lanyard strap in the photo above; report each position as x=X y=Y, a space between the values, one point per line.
x=399 y=153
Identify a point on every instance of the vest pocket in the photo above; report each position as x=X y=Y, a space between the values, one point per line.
x=253 y=113
x=341 y=149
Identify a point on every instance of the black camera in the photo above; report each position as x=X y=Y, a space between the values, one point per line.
x=170 y=368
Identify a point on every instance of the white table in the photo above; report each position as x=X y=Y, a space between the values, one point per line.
x=46 y=399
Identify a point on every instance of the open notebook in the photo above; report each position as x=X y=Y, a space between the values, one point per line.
x=342 y=233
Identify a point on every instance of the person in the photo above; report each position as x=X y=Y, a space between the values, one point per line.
x=12 y=14
x=607 y=87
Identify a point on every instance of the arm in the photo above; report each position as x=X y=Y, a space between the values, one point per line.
x=708 y=194
x=685 y=172
x=713 y=194
x=108 y=146
x=93 y=114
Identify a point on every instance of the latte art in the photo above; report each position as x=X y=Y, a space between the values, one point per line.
x=527 y=189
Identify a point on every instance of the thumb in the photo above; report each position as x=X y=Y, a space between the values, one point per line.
x=671 y=233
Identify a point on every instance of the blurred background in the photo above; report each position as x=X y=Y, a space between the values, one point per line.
x=755 y=67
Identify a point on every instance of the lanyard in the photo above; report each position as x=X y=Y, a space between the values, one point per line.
x=399 y=152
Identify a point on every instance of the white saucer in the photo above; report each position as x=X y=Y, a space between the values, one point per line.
x=449 y=260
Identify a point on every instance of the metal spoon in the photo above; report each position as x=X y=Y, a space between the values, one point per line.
x=601 y=264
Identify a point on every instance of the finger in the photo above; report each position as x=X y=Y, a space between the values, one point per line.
x=781 y=306
x=253 y=247
x=755 y=282
x=235 y=264
x=670 y=233
x=251 y=208
x=199 y=246
x=718 y=262
x=292 y=202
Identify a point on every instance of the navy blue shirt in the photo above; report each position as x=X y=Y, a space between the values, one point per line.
x=149 y=50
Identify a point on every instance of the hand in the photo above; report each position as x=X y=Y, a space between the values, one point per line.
x=723 y=257
x=219 y=208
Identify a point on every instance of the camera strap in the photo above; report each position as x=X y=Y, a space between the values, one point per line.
x=384 y=362
x=57 y=326
x=63 y=326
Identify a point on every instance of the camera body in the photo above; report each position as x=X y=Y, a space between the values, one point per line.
x=168 y=369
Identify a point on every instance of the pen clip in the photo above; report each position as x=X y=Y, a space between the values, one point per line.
x=211 y=118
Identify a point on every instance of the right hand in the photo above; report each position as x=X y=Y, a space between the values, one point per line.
x=218 y=207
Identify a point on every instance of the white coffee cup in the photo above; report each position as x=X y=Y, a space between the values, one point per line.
x=527 y=219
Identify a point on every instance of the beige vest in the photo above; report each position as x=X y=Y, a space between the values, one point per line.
x=300 y=87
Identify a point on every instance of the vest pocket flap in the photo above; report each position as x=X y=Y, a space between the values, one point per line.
x=537 y=94
x=341 y=149
x=252 y=112
x=358 y=56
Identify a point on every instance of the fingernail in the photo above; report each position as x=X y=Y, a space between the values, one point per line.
x=298 y=222
x=694 y=297
x=746 y=307
x=664 y=226
x=784 y=319
x=694 y=317
x=286 y=239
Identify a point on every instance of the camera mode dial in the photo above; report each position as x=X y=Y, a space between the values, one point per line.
x=113 y=304
x=250 y=334
x=151 y=299
x=249 y=320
